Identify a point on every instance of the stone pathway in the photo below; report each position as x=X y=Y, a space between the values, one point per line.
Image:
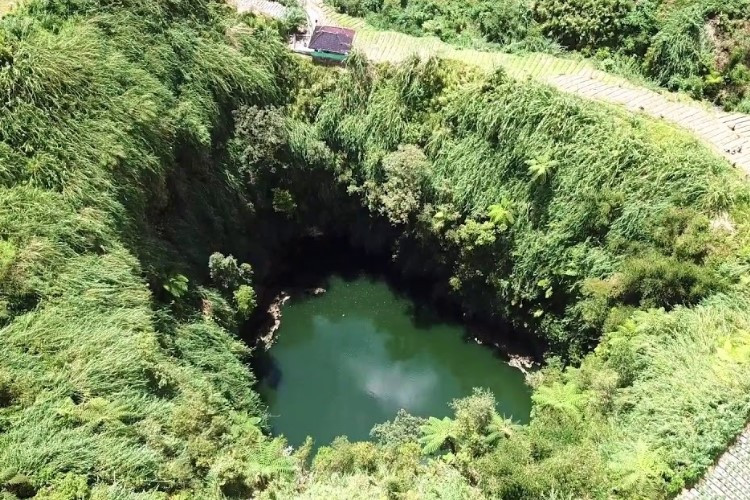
x=265 y=7
x=729 y=479
x=728 y=134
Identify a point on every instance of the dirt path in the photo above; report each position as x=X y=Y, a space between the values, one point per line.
x=6 y=6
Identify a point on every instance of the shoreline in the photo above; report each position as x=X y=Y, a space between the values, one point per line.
x=510 y=351
x=269 y=330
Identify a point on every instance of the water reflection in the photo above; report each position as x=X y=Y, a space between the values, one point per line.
x=354 y=356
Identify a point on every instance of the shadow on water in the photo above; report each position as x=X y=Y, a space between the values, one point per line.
x=312 y=262
x=267 y=369
x=385 y=367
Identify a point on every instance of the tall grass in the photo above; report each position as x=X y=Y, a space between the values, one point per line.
x=619 y=239
x=104 y=391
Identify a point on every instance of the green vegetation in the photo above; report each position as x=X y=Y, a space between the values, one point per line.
x=139 y=138
x=501 y=22
x=111 y=386
x=699 y=47
x=533 y=209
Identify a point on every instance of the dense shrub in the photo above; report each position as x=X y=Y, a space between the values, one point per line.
x=138 y=139
x=581 y=24
x=680 y=50
x=503 y=22
x=110 y=387
x=358 y=7
x=699 y=47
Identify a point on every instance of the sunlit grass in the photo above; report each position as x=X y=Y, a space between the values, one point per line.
x=6 y=6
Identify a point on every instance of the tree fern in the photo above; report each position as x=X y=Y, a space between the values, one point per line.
x=501 y=214
x=541 y=168
x=436 y=434
x=499 y=428
x=563 y=398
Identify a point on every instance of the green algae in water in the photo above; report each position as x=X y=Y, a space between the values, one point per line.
x=352 y=357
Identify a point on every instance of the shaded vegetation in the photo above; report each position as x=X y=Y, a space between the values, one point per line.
x=140 y=139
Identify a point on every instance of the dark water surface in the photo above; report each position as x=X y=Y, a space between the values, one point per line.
x=352 y=357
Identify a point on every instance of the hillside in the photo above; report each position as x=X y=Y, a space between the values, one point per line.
x=157 y=158
x=699 y=47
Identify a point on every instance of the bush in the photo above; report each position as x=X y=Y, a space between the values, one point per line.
x=244 y=297
x=580 y=24
x=359 y=8
x=226 y=273
x=658 y=281
x=344 y=457
x=504 y=21
x=680 y=51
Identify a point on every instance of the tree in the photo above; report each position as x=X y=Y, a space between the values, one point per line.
x=541 y=168
x=244 y=298
x=436 y=434
x=640 y=470
x=504 y=21
x=563 y=399
x=283 y=202
x=260 y=135
x=403 y=429
x=406 y=174
x=226 y=273
x=498 y=428
x=234 y=281
x=477 y=423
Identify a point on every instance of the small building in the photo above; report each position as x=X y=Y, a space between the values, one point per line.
x=330 y=43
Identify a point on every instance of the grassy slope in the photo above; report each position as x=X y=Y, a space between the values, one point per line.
x=102 y=389
x=667 y=387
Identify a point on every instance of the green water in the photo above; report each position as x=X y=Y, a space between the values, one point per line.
x=354 y=356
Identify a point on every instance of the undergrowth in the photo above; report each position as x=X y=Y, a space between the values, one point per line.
x=113 y=380
x=138 y=139
x=699 y=47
